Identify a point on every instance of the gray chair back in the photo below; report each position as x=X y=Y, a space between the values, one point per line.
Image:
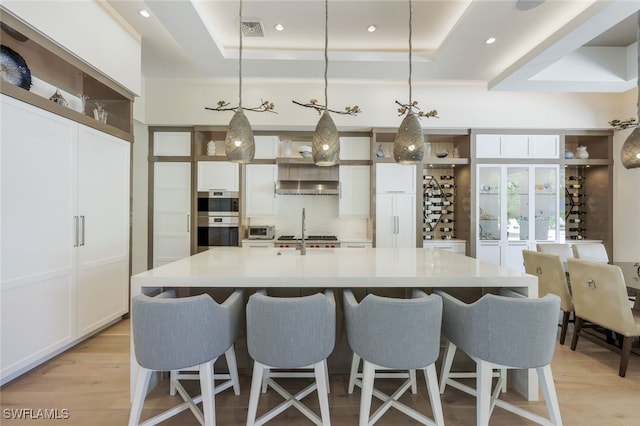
x=514 y=332
x=395 y=333
x=290 y=332
x=171 y=334
x=551 y=276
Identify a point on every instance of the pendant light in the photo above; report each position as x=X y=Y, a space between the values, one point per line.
x=239 y=144
x=408 y=145
x=630 y=153
x=325 y=148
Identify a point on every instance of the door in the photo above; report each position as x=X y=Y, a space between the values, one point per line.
x=385 y=221
x=103 y=210
x=260 y=192
x=405 y=210
x=391 y=177
x=355 y=191
x=546 y=204
x=218 y=175
x=171 y=212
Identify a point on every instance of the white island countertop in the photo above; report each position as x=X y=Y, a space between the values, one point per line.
x=337 y=267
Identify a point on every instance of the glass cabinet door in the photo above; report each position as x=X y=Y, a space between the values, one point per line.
x=546 y=204
x=517 y=187
x=489 y=202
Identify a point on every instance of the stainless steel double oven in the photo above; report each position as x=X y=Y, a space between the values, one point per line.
x=217 y=219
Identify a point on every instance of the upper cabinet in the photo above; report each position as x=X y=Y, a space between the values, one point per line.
x=355 y=147
x=355 y=193
x=517 y=146
x=172 y=144
x=218 y=175
x=266 y=147
x=395 y=178
x=260 y=190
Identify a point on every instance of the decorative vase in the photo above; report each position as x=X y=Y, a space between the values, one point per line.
x=380 y=151
x=581 y=153
x=58 y=98
x=568 y=155
x=211 y=148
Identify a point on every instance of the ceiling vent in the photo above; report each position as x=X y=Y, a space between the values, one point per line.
x=252 y=28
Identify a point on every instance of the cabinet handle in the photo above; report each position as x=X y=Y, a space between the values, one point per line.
x=274 y=189
x=76 y=231
x=83 y=229
x=188 y=223
x=340 y=190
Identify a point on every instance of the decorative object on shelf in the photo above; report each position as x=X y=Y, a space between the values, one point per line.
x=456 y=152
x=211 y=148
x=380 y=152
x=16 y=35
x=326 y=140
x=13 y=68
x=59 y=99
x=83 y=102
x=630 y=152
x=305 y=151
x=286 y=147
x=427 y=149
x=582 y=153
x=568 y=155
x=442 y=153
x=239 y=144
x=408 y=146
x=99 y=113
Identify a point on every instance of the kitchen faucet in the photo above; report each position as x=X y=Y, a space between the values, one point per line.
x=303 y=247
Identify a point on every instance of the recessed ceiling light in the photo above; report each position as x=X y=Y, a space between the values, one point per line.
x=279 y=27
x=371 y=28
x=145 y=13
x=490 y=40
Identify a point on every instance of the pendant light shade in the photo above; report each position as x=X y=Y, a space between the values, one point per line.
x=239 y=144
x=408 y=146
x=326 y=142
x=630 y=153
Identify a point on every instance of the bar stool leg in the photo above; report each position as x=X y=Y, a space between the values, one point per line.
x=368 y=375
x=355 y=363
x=230 y=356
x=208 y=394
x=322 y=382
x=431 y=378
x=254 y=395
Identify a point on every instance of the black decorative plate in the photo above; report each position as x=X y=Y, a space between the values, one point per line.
x=13 y=68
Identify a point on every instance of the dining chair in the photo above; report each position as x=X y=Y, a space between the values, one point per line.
x=551 y=279
x=504 y=332
x=395 y=334
x=600 y=297
x=290 y=333
x=595 y=252
x=177 y=333
x=562 y=250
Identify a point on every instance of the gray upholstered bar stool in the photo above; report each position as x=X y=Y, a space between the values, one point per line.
x=398 y=334
x=290 y=333
x=504 y=332
x=176 y=333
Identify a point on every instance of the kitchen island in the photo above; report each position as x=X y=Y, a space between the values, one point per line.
x=233 y=267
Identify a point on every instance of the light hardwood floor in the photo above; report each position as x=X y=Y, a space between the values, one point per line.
x=91 y=381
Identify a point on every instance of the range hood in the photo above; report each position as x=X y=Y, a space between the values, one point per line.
x=307 y=179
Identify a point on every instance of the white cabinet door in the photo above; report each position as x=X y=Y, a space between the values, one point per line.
x=489 y=251
x=103 y=207
x=260 y=193
x=513 y=258
x=354 y=191
x=171 y=144
x=514 y=146
x=355 y=148
x=488 y=146
x=218 y=175
x=395 y=220
x=266 y=147
x=171 y=212
x=392 y=177
x=37 y=263
x=385 y=221
x=544 y=146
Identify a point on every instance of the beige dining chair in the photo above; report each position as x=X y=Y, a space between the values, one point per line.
x=595 y=252
x=562 y=250
x=551 y=279
x=600 y=297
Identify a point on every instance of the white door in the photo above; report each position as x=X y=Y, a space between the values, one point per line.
x=391 y=177
x=385 y=221
x=171 y=212
x=489 y=251
x=218 y=175
x=354 y=191
x=405 y=210
x=103 y=210
x=37 y=263
x=261 y=190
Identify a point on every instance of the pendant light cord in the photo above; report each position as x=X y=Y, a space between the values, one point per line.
x=410 y=48
x=638 y=58
x=326 y=56
x=240 y=60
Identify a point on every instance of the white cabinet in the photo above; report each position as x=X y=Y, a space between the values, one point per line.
x=171 y=212
x=266 y=147
x=517 y=206
x=218 y=175
x=175 y=144
x=355 y=148
x=260 y=190
x=355 y=193
x=391 y=177
x=257 y=244
x=454 y=246
x=65 y=233
x=517 y=146
x=395 y=220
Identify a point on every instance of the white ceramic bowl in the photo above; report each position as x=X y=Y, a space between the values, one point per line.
x=306 y=154
x=304 y=148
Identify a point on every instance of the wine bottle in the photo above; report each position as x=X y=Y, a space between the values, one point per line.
x=447 y=237
x=575 y=186
x=445 y=211
x=446 y=229
x=447 y=220
x=577 y=178
x=427 y=177
x=575 y=204
x=447 y=186
x=576 y=237
x=428 y=237
x=446 y=177
x=577 y=229
x=576 y=220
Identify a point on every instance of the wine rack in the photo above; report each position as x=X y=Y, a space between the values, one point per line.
x=438 y=208
x=575 y=202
